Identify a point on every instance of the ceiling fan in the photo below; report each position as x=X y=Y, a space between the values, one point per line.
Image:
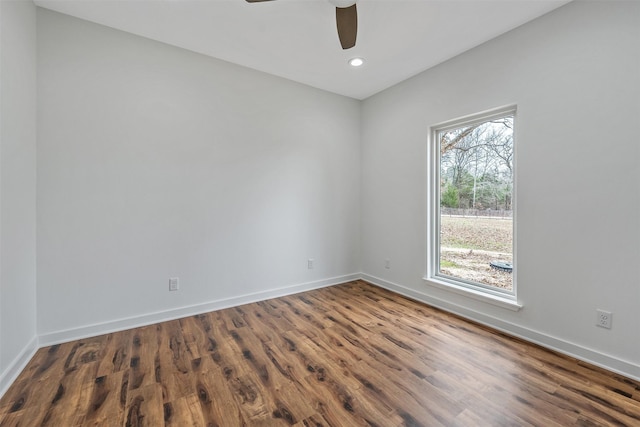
x=346 y=21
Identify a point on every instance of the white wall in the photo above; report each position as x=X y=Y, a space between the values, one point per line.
x=574 y=77
x=17 y=187
x=154 y=162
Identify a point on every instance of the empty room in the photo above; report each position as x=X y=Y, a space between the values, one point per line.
x=319 y=213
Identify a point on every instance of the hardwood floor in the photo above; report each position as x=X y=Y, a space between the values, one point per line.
x=348 y=355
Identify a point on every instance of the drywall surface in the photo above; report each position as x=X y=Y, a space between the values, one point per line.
x=156 y=162
x=573 y=75
x=17 y=186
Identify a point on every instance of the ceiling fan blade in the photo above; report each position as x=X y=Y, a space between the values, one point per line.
x=347 y=22
x=256 y=1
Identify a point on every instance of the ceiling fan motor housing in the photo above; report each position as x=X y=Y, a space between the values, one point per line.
x=342 y=3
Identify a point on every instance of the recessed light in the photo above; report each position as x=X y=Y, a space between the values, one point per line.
x=356 y=62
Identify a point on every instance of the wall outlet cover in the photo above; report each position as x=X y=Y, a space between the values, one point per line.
x=604 y=318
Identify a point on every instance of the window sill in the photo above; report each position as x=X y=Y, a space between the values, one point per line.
x=497 y=300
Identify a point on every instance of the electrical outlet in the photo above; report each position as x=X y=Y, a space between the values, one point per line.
x=387 y=264
x=604 y=319
x=310 y=264
x=174 y=283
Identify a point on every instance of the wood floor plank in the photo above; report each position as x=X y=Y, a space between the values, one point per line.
x=346 y=355
x=71 y=402
x=185 y=411
x=333 y=383
x=145 y=357
x=145 y=407
x=33 y=386
x=173 y=363
x=194 y=337
x=116 y=351
x=215 y=397
x=108 y=399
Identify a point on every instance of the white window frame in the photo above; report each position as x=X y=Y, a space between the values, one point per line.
x=495 y=296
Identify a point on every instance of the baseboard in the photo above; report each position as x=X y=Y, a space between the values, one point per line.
x=17 y=365
x=96 y=329
x=608 y=362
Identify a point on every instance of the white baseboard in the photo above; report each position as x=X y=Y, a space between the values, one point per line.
x=611 y=363
x=17 y=365
x=96 y=329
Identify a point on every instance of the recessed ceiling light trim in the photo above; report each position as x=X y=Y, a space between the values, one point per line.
x=356 y=62
x=342 y=3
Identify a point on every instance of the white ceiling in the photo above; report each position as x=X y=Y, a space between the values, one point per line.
x=297 y=39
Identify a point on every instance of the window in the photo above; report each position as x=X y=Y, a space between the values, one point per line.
x=471 y=215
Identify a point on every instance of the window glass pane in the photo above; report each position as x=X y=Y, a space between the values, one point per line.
x=475 y=206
